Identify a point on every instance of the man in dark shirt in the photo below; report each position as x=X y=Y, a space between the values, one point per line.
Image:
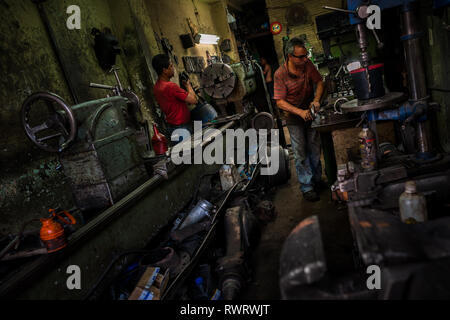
x=171 y=98
x=294 y=94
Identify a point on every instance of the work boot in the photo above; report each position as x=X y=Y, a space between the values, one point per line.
x=311 y=196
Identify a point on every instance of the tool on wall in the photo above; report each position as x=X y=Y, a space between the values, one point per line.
x=193 y=64
x=106 y=47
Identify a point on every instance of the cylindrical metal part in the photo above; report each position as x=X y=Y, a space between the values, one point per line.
x=200 y=211
x=361 y=35
x=416 y=72
x=414 y=58
x=422 y=137
x=233 y=231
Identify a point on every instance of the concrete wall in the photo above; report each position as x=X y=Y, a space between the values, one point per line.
x=277 y=12
x=169 y=20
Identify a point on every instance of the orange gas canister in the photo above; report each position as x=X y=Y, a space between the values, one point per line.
x=52 y=233
x=159 y=142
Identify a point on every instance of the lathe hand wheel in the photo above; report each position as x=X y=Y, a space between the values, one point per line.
x=56 y=126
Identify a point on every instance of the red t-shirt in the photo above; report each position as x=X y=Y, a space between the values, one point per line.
x=297 y=91
x=171 y=98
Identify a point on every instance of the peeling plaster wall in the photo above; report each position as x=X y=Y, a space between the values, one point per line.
x=169 y=20
x=277 y=12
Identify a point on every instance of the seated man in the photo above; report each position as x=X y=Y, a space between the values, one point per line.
x=171 y=98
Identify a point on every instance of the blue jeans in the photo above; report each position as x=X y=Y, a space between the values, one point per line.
x=305 y=142
x=172 y=128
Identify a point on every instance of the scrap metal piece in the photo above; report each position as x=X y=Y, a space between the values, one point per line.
x=181 y=234
x=231 y=267
x=302 y=259
x=265 y=211
x=383 y=238
x=160 y=168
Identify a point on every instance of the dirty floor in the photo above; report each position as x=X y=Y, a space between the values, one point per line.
x=291 y=210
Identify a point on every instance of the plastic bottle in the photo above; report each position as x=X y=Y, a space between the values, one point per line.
x=226 y=177
x=413 y=205
x=368 y=148
x=159 y=142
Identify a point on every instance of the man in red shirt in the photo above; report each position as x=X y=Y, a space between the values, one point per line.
x=294 y=94
x=171 y=98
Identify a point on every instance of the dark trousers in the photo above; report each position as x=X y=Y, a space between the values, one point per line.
x=172 y=128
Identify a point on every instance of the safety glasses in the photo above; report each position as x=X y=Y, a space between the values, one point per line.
x=303 y=56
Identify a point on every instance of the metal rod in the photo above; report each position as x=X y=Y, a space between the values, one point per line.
x=416 y=72
x=338 y=9
x=361 y=35
x=101 y=86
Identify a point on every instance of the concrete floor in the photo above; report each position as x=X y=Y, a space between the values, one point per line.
x=292 y=209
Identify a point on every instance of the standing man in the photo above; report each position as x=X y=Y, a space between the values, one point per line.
x=171 y=98
x=294 y=94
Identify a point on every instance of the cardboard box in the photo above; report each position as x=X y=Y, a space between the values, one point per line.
x=151 y=285
x=145 y=294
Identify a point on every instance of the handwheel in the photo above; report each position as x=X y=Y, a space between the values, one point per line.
x=59 y=125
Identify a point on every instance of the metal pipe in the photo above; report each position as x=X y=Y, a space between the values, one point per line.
x=338 y=9
x=414 y=58
x=416 y=71
x=361 y=35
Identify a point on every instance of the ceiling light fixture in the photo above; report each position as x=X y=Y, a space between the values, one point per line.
x=208 y=38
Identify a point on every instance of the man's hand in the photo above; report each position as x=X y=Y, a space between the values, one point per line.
x=186 y=84
x=305 y=114
x=192 y=97
x=315 y=105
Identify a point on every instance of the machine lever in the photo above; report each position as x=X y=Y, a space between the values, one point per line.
x=380 y=44
x=101 y=86
x=338 y=9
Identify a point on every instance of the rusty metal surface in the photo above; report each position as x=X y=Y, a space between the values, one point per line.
x=104 y=164
x=332 y=121
x=383 y=238
x=302 y=259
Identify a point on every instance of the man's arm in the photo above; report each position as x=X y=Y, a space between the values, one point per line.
x=318 y=96
x=316 y=77
x=284 y=105
x=192 y=97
